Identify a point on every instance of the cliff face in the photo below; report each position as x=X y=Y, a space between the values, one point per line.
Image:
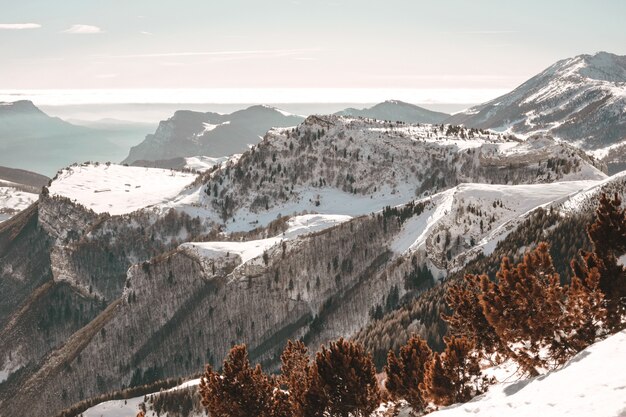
x=189 y=133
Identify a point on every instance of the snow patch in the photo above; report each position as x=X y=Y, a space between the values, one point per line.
x=117 y=189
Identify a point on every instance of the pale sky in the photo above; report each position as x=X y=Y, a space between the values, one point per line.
x=297 y=44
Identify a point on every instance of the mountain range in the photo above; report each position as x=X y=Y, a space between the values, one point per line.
x=298 y=238
x=282 y=227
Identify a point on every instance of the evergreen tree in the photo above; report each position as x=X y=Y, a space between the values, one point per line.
x=467 y=318
x=523 y=306
x=405 y=373
x=241 y=390
x=454 y=375
x=343 y=381
x=608 y=238
x=295 y=375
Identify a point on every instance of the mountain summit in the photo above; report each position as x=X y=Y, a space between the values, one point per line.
x=580 y=100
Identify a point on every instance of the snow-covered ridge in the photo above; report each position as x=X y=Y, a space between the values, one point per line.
x=117 y=189
x=475 y=217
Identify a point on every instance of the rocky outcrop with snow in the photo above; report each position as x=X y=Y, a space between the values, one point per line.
x=581 y=100
x=190 y=133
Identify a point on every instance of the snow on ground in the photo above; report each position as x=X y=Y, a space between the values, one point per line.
x=13 y=201
x=444 y=210
x=204 y=163
x=593 y=383
x=118 y=189
x=129 y=407
x=297 y=226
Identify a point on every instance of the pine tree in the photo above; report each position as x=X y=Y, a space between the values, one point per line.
x=343 y=381
x=240 y=391
x=295 y=375
x=467 y=318
x=523 y=306
x=405 y=373
x=608 y=237
x=454 y=375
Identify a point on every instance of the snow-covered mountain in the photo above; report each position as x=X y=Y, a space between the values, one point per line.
x=190 y=133
x=581 y=100
x=18 y=190
x=142 y=274
x=395 y=110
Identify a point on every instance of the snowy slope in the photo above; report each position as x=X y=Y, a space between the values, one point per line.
x=475 y=217
x=129 y=407
x=118 y=189
x=12 y=201
x=249 y=250
x=593 y=383
x=338 y=165
x=581 y=100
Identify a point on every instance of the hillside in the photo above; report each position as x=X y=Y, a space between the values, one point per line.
x=189 y=133
x=580 y=100
x=321 y=247
x=394 y=110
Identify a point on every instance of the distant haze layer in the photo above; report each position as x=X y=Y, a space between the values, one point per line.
x=150 y=105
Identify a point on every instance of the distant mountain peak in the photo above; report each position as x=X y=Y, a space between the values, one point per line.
x=19 y=106
x=396 y=110
x=581 y=99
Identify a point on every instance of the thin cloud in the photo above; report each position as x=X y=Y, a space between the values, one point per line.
x=19 y=26
x=105 y=76
x=480 y=32
x=143 y=32
x=83 y=30
x=258 y=52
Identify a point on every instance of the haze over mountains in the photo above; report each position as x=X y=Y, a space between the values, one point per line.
x=32 y=140
x=285 y=227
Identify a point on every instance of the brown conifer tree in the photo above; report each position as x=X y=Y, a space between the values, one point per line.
x=241 y=390
x=343 y=381
x=467 y=318
x=608 y=237
x=523 y=306
x=405 y=373
x=295 y=375
x=454 y=375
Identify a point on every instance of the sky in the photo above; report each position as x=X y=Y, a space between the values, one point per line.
x=456 y=49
